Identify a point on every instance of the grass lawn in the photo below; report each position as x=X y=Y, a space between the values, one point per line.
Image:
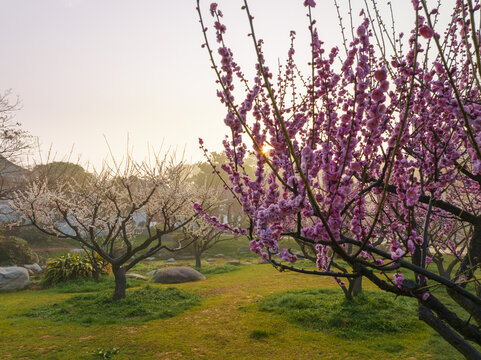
x=240 y=315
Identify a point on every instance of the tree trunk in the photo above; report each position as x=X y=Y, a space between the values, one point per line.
x=120 y=282
x=471 y=259
x=96 y=275
x=466 y=272
x=198 y=255
x=355 y=286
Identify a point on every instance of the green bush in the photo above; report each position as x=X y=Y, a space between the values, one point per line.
x=15 y=251
x=72 y=266
x=30 y=234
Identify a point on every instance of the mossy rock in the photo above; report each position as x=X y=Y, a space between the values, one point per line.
x=15 y=251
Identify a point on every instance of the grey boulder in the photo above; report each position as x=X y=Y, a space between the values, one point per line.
x=176 y=275
x=13 y=278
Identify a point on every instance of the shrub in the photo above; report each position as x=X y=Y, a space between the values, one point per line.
x=72 y=266
x=15 y=251
x=30 y=234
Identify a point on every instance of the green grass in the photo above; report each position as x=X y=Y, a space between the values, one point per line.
x=226 y=324
x=140 y=305
x=88 y=285
x=371 y=313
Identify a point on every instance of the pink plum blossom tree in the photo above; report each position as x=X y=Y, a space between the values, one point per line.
x=377 y=149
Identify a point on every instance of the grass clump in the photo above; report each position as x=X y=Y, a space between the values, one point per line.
x=219 y=269
x=258 y=334
x=369 y=314
x=147 y=303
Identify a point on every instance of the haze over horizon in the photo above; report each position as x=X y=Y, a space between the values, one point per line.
x=87 y=70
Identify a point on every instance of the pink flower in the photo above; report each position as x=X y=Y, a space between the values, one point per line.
x=426 y=32
x=398 y=279
x=361 y=30
x=438 y=67
x=377 y=95
x=412 y=196
x=411 y=246
x=213 y=8
x=380 y=74
x=425 y=296
x=310 y=3
x=398 y=253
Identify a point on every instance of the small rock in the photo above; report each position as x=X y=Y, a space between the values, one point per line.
x=247 y=263
x=35 y=268
x=233 y=262
x=219 y=255
x=171 y=260
x=210 y=260
x=136 y=277
x=150 y=258
x=13 y=278
x=176 y=275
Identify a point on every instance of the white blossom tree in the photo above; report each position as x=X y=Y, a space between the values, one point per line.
x=203 y=235
x=110 y=212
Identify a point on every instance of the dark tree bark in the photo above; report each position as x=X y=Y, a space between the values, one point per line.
x=355 y=286
x=465 y=273
x=198 y=255
x=451 y=337
x=120 y=282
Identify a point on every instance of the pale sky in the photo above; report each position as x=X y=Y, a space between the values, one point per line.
x=88 y=68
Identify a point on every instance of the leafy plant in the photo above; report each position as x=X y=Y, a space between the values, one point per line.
x=72 y=266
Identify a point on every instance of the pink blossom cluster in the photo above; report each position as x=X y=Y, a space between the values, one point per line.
x=371 y=150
